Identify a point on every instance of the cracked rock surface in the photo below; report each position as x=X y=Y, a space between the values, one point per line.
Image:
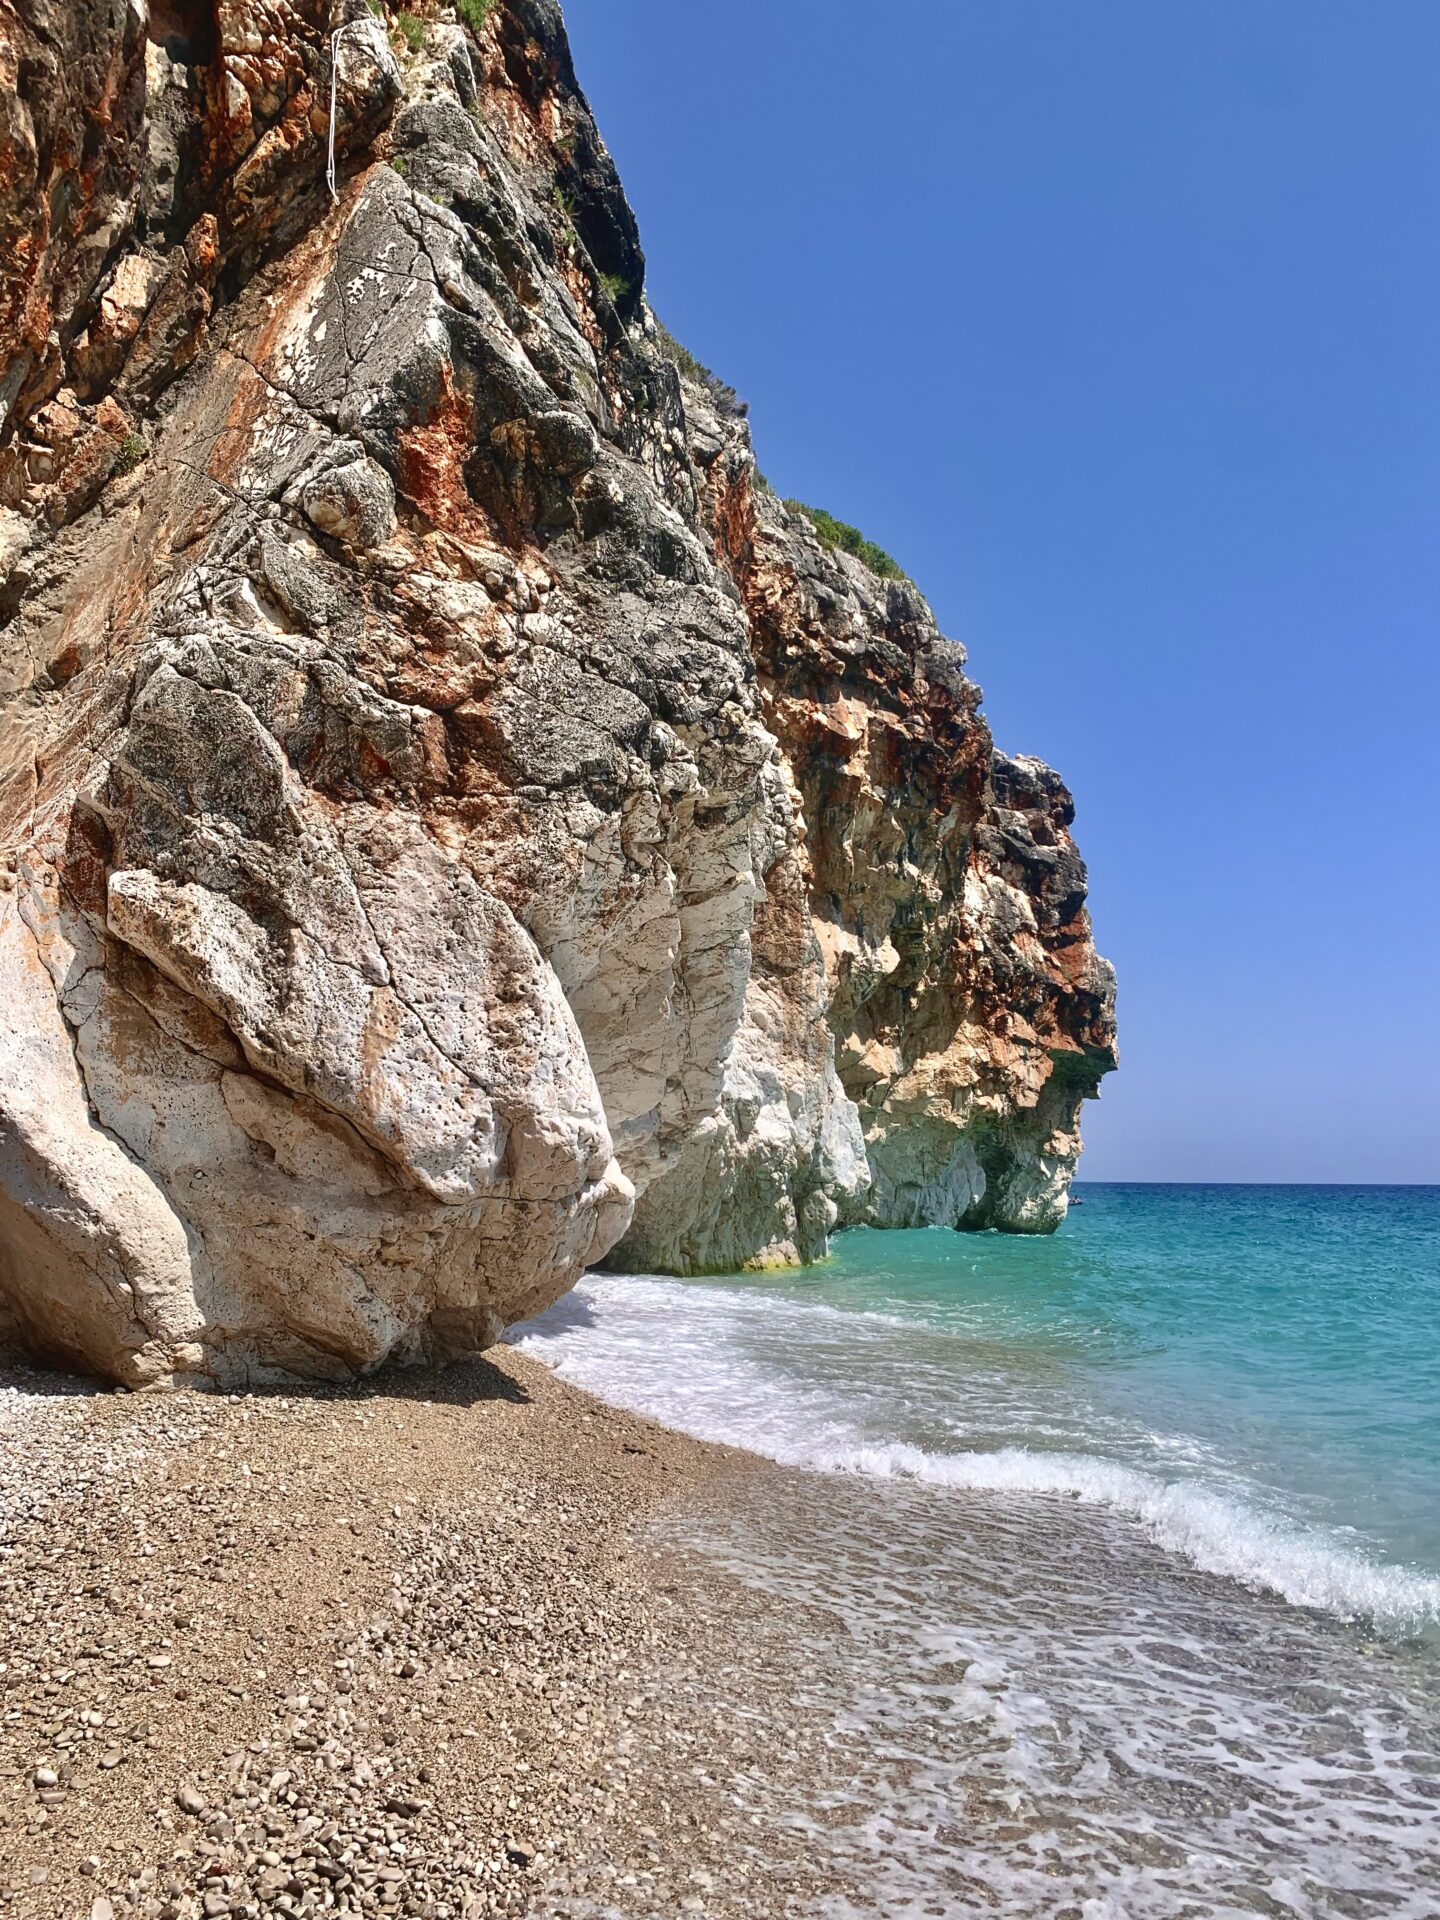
x=456 y=825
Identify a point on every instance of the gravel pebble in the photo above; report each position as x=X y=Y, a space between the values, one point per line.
x=394 y=1649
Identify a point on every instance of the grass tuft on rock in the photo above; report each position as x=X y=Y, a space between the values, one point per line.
x=834 y=533
x=723 y=397
x=128 y=455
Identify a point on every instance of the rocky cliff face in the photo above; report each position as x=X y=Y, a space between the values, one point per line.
x=458 y=824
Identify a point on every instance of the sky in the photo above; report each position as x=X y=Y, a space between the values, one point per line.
x=1118 y=323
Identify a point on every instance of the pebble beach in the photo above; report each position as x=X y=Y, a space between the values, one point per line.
x=407 y=1648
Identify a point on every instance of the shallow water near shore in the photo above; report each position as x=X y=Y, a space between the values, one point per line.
x=1125 y=1543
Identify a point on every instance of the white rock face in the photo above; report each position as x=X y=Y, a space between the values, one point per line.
x=94 y=1263
x=174 y=1200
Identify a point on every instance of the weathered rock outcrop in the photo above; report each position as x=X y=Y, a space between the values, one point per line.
x=458 y=824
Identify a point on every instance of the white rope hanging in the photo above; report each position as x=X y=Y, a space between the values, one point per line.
x=335 y=39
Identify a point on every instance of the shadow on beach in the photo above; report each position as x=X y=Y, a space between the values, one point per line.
x=463 y=1383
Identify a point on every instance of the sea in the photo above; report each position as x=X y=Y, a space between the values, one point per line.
x=1128 y=1539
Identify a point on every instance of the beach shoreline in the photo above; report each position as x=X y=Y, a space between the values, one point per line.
x=403 y=1647
x=445 y=1644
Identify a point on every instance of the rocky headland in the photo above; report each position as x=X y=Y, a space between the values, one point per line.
x=457 y=824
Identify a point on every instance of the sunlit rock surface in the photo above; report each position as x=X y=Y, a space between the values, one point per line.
x=458 y=824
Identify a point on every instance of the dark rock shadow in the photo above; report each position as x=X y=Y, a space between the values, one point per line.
x=571 y=1310
x=464 y=1383
x=37 y=1382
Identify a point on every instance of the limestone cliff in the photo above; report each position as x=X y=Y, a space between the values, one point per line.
x=458 y=824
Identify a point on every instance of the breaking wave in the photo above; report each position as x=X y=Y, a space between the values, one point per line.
x=794 y=1381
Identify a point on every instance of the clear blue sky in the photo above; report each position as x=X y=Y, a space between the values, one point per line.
x=1118 y=323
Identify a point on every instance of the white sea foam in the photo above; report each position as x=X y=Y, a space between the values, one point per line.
x=1038 y=1704
x=792 y=1380
x=1216 y=1532
x=1119 y=1735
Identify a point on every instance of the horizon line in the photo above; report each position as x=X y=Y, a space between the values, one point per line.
x=1380 y=1185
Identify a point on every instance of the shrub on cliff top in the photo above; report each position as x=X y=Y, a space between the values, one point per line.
x=473 y=12
x=723 y=397
x=831 y=532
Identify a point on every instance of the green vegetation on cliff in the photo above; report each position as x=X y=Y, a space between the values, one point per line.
x=828 y=530
x=722 y=395
x=839 y=533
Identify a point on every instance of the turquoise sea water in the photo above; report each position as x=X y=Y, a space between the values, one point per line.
x=1277 y=1345
x=1253 y=1373
x=1188 y=1452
